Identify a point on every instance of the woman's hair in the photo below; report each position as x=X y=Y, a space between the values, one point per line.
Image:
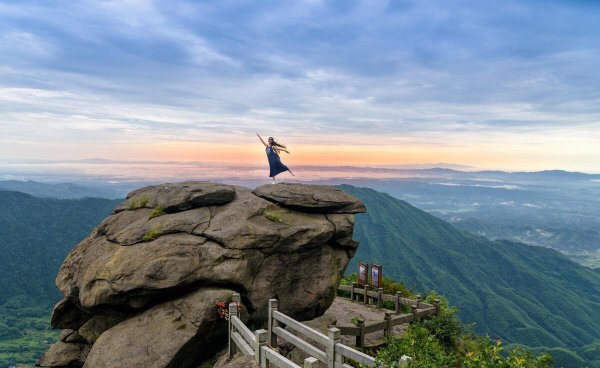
x=277 y=144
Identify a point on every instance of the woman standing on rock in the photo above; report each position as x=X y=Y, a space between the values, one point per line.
x=276 y=166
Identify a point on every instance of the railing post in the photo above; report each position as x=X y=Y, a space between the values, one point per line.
x=230 y=351
x=235 y=298
x=272 y=323
x=232 y=313
x=404 y=360
x=311 y=363
x=366 y=300
x=397 y=309
x=261 y=340
x=332 y=357
x=419 y=301
x=360 y=339
x=352 y=295
x=388 y=319
x=436 y=304
x=235 y=308
x=379 y=297
x=264 y=362
x=414 y=312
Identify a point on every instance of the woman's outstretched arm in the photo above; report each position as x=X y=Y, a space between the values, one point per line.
x=280 y=147
x=263 y=142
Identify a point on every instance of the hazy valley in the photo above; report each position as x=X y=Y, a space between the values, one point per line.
x=419 y=249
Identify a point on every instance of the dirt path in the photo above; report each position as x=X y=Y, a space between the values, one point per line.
x=342 y=313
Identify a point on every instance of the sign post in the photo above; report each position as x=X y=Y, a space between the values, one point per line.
x=363 y=273
x=376 y=271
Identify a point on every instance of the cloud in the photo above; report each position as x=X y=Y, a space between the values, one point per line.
x=23 y=45
x=364 y=72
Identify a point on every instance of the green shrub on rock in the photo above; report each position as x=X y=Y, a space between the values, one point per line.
x=443 y=341
x=156 y=212
x=274 y=213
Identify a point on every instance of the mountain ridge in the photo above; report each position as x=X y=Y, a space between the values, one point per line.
x=36 y=232
x=518 y=293
x=416 y=269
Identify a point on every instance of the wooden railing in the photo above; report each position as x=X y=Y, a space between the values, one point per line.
x=419 y=309
x=261 y=344
x=327 y=349
x=255 y=344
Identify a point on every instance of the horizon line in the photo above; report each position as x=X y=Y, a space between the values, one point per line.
x=388 y=167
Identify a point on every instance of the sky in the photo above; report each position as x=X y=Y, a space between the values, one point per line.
x=508 y=85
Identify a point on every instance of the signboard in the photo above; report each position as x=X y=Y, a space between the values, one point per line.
x=363 y=272
x=376 y=272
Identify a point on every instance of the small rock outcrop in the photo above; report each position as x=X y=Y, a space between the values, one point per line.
x=140 y=290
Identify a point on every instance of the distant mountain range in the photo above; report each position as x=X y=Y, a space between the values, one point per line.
x=59 y=190
x=521 y=294
x=554 y=209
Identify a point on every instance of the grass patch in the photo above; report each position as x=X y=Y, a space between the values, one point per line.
x=274 y=213
x=354 y=320
x=152 y=234
x=138 y=203
x=157 y=211
x=25 y=332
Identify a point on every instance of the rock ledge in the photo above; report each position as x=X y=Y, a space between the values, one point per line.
x=141 y=289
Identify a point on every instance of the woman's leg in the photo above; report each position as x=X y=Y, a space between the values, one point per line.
x=291 y=172
x=272 y=177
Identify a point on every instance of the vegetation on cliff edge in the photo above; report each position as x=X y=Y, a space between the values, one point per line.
x=443 y=341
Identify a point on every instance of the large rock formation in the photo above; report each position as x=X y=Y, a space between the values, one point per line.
x=140 y=290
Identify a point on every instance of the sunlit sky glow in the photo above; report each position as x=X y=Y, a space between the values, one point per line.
x=512 y=85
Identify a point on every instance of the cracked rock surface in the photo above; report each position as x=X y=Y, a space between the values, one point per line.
x=140 y=290
x=311 y=198
x=166 y=335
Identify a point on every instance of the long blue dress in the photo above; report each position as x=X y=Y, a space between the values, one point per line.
x=275 y=164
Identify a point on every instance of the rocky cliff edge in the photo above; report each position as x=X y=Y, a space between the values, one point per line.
x=141 y=289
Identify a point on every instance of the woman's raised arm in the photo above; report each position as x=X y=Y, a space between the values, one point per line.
x=263 y=142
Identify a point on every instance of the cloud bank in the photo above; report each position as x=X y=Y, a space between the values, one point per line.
x=106 y=78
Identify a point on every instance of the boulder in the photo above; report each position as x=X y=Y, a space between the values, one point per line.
x=132 y=227
x=176 y=333
x=72 y=337
x=251 y=222
x=179 y=196
x=170 y=250
x=304 y=282
x=64 y=355
x=133 y=276
x=95 y=326
x=311 y=198
x=67 y=315
x=64 y=334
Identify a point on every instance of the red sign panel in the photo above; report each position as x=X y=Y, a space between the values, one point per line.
x=376 y=272
x=363 y=273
